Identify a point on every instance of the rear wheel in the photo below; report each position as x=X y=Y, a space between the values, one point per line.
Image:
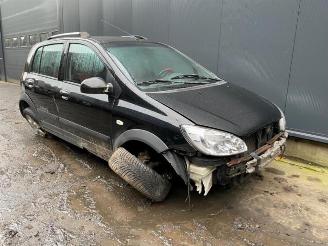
x=31 y=119
x=142 y=177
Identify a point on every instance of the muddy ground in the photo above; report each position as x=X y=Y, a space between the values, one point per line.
x=52 y=193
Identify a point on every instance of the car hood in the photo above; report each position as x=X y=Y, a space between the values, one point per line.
x=222 y=106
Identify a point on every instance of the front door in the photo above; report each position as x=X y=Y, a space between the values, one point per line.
x=86 y=116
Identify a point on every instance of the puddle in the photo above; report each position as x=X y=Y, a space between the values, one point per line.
x=274 y=171
x=314 y=179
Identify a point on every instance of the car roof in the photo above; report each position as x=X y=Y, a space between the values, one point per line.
x=99 y=39
x=102 y=40
x=110 y=39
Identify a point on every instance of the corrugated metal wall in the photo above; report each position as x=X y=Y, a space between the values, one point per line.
x=307 y=98
x=273 y=47
x=24 y=18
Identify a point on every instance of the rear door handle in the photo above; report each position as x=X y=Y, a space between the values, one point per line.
x=30 y=83
x=64 y=94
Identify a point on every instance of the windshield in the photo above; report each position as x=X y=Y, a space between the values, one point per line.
x=155 y=67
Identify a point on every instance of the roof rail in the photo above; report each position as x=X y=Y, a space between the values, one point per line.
x=138 y=37
x=71 y=35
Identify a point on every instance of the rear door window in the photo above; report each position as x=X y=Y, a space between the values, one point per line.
x=36 y=60
x=50 y=60
x=83 y=63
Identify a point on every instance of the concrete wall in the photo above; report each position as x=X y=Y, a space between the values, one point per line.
x=311 y=152
x=273 y=47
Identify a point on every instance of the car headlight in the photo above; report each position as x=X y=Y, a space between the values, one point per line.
x=282 y=121
x=213 y=142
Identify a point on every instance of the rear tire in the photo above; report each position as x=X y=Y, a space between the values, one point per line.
x=137 y=174
x=31 y=119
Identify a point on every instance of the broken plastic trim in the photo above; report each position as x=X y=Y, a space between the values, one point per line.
x=202 y=176
x=261 y=150
x=268 y=156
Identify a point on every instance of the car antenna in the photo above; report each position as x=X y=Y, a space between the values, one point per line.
x=138 y=37
x=116 y=27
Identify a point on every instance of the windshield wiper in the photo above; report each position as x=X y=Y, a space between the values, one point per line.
x=194 y=76
x=155 y=81
x=182 y=76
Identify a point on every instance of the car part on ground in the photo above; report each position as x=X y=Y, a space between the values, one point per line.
x=140 y=176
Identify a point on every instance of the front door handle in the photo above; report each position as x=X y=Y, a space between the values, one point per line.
x=30 y=83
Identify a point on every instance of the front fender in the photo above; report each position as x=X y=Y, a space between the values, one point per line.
x=177 y=162
x=143 y=136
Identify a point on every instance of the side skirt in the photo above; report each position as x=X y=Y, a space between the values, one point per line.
x=93 y=147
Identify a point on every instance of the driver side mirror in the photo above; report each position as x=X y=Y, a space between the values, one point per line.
x=96 y=85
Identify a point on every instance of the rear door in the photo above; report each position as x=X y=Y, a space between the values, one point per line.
x=87 y=116
x=41 y=84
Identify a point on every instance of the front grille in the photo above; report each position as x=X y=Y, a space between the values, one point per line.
x=261 y=137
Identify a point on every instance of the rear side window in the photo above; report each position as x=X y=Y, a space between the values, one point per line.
x=83 y=63
x=50 y=60
x=36 y=60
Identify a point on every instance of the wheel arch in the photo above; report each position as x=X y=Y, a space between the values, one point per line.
x=155 y=143
x=143 y=136
x=23 y=105
x=26 y=102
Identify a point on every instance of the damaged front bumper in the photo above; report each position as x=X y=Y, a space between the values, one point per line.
x=203 y=175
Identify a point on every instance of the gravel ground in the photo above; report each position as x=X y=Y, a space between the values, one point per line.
x=52 y=193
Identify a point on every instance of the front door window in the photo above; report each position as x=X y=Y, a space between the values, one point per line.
x=83 y=63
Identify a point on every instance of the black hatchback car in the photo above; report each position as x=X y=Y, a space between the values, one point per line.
x=149 y=110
